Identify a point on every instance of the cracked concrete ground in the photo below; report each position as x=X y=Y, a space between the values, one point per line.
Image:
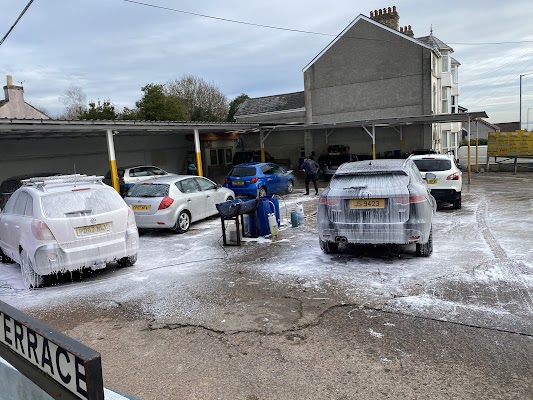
x=281 y=320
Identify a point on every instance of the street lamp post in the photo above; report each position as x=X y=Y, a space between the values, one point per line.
x=527 y=121
x=530 y=73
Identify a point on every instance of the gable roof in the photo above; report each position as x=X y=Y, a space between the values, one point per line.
x=488 y=124
x=276 y=103
x=355 y=21
x=434 y=42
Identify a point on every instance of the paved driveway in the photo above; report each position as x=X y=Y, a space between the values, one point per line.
x=245 y=308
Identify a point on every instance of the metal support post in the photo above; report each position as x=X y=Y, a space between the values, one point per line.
x=198 y=152
x=112 y=160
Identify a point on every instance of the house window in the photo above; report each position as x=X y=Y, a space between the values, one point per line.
x=455 y=73
x=434 y=105
x=213 y=157
x=445 y=63
x=445 y=100
x=454 y=104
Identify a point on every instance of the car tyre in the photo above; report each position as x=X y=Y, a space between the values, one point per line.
x=425 y=249
x=329 y=247
x=457 y=203
x=183 y=223
x=290 y=186
x=5 y=259
x=230 y=198
x=127 y=261
x=262 y=191
x=31 y=279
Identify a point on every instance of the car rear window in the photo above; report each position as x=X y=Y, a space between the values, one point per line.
x=432 y=165
x=242 y=171
x=120 y=173
x=148 y=190
x=368 y=181
x=92 y=201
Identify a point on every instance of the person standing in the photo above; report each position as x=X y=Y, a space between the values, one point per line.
x=310 y=166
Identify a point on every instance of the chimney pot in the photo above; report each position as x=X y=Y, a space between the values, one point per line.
x=389 y=10
x=380 y=11
x=409 y=26
x=9 y=80
x=371 y=14
x=394 y=9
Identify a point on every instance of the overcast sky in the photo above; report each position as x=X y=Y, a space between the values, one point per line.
x=112 y=48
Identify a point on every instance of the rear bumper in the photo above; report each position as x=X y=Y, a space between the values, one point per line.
x=377 y=233
x=445 y=194
x=160 y=219
x=51 y=258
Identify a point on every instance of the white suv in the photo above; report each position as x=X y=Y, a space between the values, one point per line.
x=66 y=223
x=449 y=181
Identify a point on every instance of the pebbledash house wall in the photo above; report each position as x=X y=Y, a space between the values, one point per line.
x=14 y=105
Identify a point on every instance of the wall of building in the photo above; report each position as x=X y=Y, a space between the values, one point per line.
x=15 y=107
x=356 y=79
x=90 y=155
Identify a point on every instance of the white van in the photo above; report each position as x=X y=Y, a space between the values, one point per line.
x=462 y=156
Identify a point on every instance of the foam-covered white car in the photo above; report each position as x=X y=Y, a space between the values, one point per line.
x=66 y=223
x=378 y=202
x=448 y=182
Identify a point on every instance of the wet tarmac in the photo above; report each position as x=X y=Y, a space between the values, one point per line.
x=369 y=320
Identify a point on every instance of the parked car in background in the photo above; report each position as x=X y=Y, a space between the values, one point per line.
x=329 y=163
x=66 y=223
x=377 y=202
x=251 y=179
x=9 y=185
x=241 y=157
x=128 y=176
x=448 y=182
x=174 y=202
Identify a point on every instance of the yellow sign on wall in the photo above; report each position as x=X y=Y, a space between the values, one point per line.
x=510 y=144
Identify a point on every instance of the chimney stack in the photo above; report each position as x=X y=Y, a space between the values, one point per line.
x=387 y=16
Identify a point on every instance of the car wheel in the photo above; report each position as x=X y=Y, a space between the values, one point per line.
x=262 y=191
x=328 y=247
x=290 y=186
x=230 y=198
x=425 y=249
x=457 y=202
x=127 y=261
x=31 y=279
x=183 y=223
x=5 y=259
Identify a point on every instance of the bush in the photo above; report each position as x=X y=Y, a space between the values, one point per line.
x=481 y=142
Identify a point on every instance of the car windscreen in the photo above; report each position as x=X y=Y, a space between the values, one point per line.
x=242 y=171
x=369 y=184
x=83 y=202
x=148 y=190
x=432 y=165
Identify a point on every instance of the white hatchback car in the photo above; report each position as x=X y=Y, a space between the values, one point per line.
x=447 y=185
x=128 y=176
x=174 y=202
x=66 y=223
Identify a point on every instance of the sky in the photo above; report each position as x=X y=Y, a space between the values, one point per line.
x=112 y=48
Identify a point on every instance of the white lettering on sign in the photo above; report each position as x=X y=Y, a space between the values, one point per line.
x=63 y=366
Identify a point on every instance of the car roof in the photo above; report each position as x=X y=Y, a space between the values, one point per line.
x=169 y=179
x=374 y=166
x=431 y=156
x=138 y=166
x=251 y=164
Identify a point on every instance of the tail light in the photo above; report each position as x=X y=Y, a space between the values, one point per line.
x=165 y=203
x=254 y=180
x=328 y=201
x=41 y=231
x=401 y=200
x=417 y=199
x=226 y=180
x=453 y=177
x=131 y=218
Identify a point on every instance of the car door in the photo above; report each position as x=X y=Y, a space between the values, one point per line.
x=269 y=178
x=15 y=223
x=210 y=195
x=281 y=178
x=194 y=198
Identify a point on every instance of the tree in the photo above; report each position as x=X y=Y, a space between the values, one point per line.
x=74 y=100
x=129 y=114
x=234 y=106
x=156 y=105
x=105 y=111
x=202 y=101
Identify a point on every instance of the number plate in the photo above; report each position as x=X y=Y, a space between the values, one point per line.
x=93 y=229
x=432 y=181
x=367 y=203
x=238 y=183
x=140 y=208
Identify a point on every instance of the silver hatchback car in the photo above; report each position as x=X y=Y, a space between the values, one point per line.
x=174 y=202
x=377 y=202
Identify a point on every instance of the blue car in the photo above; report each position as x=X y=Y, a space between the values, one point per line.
x=264 y=178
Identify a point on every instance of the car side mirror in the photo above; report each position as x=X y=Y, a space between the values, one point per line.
x=430 y=176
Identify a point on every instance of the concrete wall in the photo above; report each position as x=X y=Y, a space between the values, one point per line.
x=355 y=79
x=89 y=155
